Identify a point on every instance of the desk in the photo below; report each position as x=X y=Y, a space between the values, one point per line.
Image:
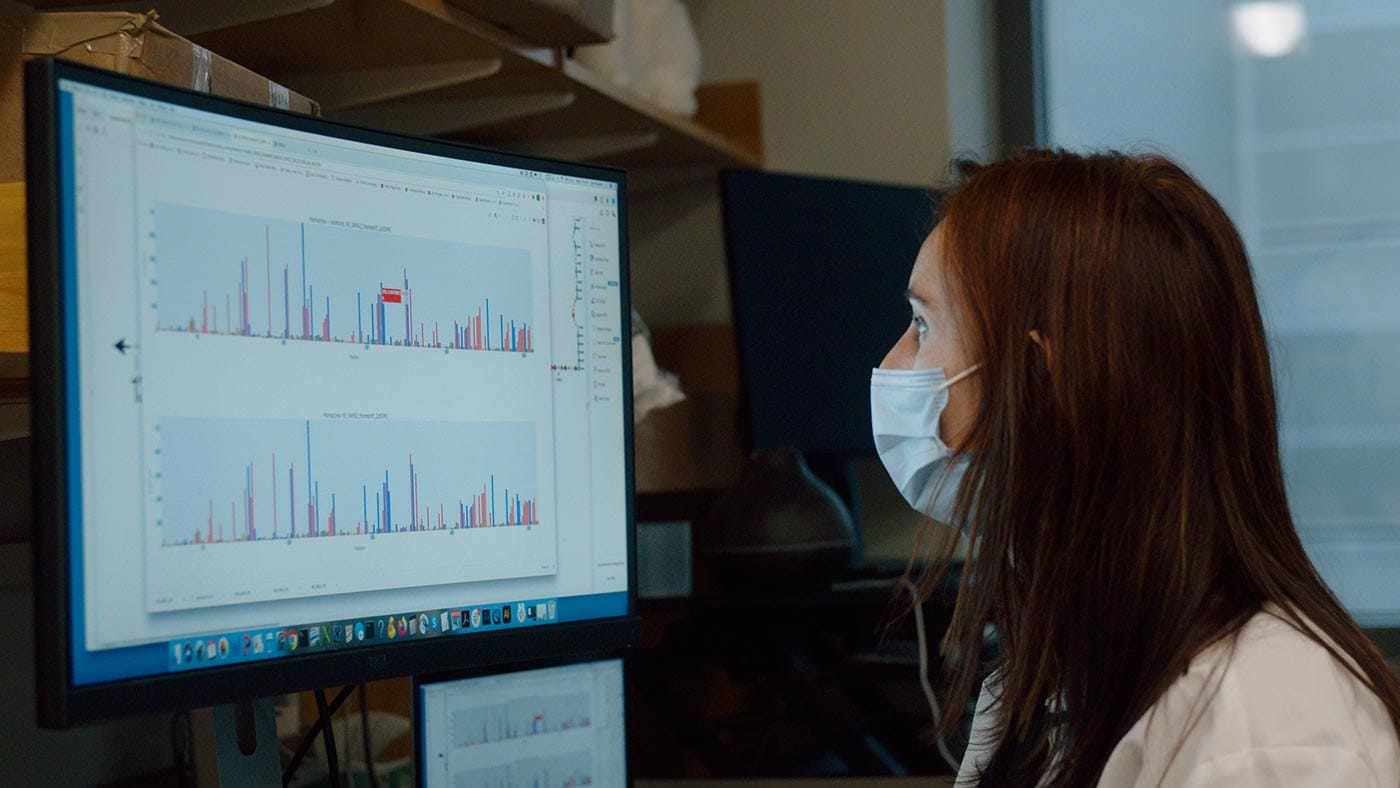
x=840 y=782
x=798 y=681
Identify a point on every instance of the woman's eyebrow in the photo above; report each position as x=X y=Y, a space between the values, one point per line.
x=913 y=296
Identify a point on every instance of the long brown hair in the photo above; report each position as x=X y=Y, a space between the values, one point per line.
x=1125 y=500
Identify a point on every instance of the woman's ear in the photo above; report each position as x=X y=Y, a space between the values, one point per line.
x=1044 y=346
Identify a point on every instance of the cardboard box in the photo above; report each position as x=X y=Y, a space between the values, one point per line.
x=126 y=43
x=548 y=22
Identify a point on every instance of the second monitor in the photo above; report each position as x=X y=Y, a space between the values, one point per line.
x=549 y=727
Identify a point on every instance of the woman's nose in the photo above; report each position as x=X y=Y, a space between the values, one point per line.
x=900 y=356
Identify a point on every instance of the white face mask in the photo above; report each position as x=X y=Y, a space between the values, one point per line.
x=905 y=407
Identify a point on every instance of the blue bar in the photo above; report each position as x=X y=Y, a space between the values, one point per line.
x=303 y=272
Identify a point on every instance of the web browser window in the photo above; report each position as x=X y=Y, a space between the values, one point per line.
x=324 y=392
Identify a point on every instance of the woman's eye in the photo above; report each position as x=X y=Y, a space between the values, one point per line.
x=920 y=327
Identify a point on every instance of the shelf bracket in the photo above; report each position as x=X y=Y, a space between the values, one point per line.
x=449 y=117
x=343 y=90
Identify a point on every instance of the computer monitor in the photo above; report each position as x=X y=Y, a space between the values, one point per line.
x=558 y=726
x=313 y=404
x=817 y=273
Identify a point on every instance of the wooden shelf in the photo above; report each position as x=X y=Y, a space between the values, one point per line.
x=427 y=67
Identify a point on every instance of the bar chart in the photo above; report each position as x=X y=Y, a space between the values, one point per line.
x=248 y=480
x=243 y=509
x=520 y=718
x=567 y=770
x=228 y=274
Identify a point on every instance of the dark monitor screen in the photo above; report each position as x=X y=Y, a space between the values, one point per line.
x=558 y=726
x=313 y=404
x=817 y=273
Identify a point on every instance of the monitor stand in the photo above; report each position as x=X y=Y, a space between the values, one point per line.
x=245 y=744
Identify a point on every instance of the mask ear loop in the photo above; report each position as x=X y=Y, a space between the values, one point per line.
x=954 y=379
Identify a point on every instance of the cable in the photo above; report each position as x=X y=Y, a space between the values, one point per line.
x=182 y=747
x=305 y=745
x=328 y=738
x=943 y=750
x=364 y=736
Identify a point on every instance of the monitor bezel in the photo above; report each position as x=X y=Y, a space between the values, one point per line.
x=61 y=703
x=596 y=655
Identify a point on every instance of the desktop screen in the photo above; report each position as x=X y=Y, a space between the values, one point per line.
x=817 y=273
x=557 y=726
x=325 y=389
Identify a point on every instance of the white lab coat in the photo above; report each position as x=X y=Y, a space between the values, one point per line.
x=1286 y=714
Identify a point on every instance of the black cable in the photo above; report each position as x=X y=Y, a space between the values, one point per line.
x=305 y=745
x=364 y=734
x=328 y=738
x=182 y=749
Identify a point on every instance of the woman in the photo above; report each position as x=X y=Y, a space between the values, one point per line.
x=1085 y=388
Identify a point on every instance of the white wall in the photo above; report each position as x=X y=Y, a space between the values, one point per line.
x=850 y=89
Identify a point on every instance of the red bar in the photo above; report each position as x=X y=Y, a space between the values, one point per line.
x=391 y=295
